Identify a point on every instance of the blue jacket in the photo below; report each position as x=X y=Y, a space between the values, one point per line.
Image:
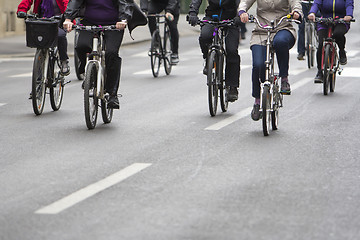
x=333 y=8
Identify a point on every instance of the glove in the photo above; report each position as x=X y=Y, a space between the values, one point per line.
x=193 y=19
x=21 y=14
x=237 y=21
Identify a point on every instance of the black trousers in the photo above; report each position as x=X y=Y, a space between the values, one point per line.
x=155 y=8
x=62 y=44
x=232 y=68
x=112 y=40
x=339 y=36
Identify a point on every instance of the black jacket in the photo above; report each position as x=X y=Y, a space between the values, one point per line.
x=171 y=5
x=128 y=10
x=226 y=9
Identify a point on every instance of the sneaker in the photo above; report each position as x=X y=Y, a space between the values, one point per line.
x=232 y=94
x=242 y=35
x=319 y=77
x=113 y=102
x=65 y=69
x=174 y=58
x=301 y=56
x=205 y=70
x=343 y=58
x=255 y=113
x=285 y=88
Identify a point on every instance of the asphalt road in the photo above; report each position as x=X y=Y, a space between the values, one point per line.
x=161 y=170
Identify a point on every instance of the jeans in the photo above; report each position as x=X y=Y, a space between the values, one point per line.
x=301 y=32
x=282 y=43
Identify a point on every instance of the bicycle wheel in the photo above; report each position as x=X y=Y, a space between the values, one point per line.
x=38 y=88
x=167 y=51
x=155 y=53
x=266 y=110
x=332 y=76
x=107 y=113
x=57 y=82
x=276 y=106
x=224 y=103
x=90 y=98
x=327 y=66
x=76 y=57
x=309 y=45
x=211 y=82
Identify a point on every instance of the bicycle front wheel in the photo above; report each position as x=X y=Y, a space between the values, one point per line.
x=155 y=53
x=38 y=89
x=57 y=83
x=167 y=51
x=266 y=110
x=107 y=113
x=211 y=82
x=327 y=69
x=309 y=46
x=90 y=98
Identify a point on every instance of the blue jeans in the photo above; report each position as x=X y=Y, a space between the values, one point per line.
x=301 y=32
x=282 y=43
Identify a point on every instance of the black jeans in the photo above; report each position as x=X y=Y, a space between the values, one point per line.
x=155 y=8
x=112 y=41
x=232 y=68
x=62 y=44
x=339 y=36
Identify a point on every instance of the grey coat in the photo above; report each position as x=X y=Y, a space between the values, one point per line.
x=268 y=10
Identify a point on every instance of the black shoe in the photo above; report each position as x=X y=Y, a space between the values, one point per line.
x=232 y=94
x=255 y=113
x=30 y=97
x=242 y=35
x=113 y=102
x=205 y=70
x=174 y=58
x=285 y=88
x=319 y=77
x=343 y=58
x=301 y=56
x=65 y=69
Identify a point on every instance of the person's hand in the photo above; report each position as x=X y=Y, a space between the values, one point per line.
x=68 y=25
x=21 y=14
x=295 y=15
x=244 y=17
x=121 y=25
x=169 y=16
x=311 y=17
x=347 y=18
x=193 y=19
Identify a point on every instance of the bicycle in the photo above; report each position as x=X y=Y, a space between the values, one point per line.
x=330 y=61
x=311 y=42
x=41 y=33
x=94 y=82
x=160 y=50
x=76 y=57
x=271 y=100
x=215 y=65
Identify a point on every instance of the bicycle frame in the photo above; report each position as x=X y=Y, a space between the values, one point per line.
x=333 y=46
x=158 y=22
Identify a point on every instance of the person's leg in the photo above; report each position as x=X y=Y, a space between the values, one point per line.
x=322 y=33
x=205 y=39
x=339 y=35
x=62 y=46
x=154 y=8
x=83 y=46
x=173 y=26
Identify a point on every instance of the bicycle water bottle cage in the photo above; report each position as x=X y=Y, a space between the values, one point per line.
x=215 y=18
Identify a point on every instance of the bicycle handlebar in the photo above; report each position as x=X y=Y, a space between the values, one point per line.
x=253 y=19
x=330 y=20
x=222 y=23
x=94 y=28
x=36 y=17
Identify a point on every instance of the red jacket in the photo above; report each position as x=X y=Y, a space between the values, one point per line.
x=25 y=5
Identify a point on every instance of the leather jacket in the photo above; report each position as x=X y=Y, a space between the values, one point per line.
x=226 y=9
x=171 y=5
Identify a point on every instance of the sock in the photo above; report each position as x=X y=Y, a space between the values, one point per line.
x=284 y=79
x=257 y=101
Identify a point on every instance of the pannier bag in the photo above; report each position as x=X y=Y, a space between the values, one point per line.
x=41 y=33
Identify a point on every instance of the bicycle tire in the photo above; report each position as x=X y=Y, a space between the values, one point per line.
x=265 y=110
x=333 y=75
x=211 y=82
x=327 y=65
x=76 y=57
x=38 y=88
x=167 y=51
x=308 y=46
x=56 y=83
x=106 y=113
x=90 y=99
x=275 y=108
x=155 y=53
x=224 y=103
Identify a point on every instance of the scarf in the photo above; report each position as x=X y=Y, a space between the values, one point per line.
x=47 y=8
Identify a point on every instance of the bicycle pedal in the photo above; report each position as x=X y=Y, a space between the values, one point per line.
x=66 y=82
x=285 y=93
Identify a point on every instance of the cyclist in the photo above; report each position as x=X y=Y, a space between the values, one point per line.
x=225 y=9
x=335 y=9
x=306 y=5
x=103 y=12
x=283 y=40
x=172 y=12
x=50 y=8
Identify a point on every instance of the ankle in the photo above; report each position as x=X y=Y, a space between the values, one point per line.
x=284 y=79
x=257 y=101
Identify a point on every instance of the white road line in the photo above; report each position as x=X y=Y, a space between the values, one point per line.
x=246 y=112
x=144 y=72
x=92 y=189
x=2 y=104
x=350 y=72
x=22 y=75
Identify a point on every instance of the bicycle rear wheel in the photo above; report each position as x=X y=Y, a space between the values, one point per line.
x=277 y=98
x=57 y=82
x=266 y=110
x=327 y=66
x=224 y=103
x=38 y=89
x=333 y=75
x=309 y=45
x=155 y=53
x=90 y=98
x=167 y=51
x=211 y=82
x=107 y=113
